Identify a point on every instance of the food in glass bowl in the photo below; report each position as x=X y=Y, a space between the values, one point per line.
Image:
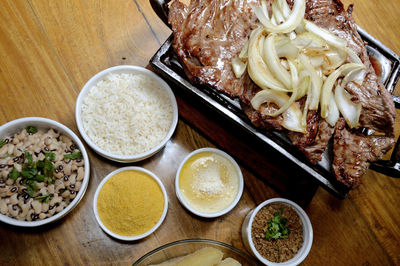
x=186 y=249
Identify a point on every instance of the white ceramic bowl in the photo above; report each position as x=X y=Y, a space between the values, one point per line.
x=130 y=238
x=224 y=211
x=17 y=125
x=307 y=233
x=128 y=70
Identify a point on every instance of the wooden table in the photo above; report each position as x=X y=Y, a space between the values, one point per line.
x=49 y=49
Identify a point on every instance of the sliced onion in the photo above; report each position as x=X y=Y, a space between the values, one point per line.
x=292 y=115
x=287 y=49
x=309 y=39
x=316 y=83
x=326 y=35
x=284 y=8
x=238 y=67
x=350 y=110
x=257 y=69
x=353 y=57
x=304 y=84
x=272 y=60
x=333 y=115
x=332 y=60
x=292 y=21
x=277 y=14
x=330 y=82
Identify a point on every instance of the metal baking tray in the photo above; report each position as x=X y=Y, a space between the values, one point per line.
x=385 y=61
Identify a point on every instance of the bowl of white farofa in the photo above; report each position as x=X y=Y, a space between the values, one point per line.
x=126 y=113
x=44 y=171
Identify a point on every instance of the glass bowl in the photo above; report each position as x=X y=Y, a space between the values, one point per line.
x=187 y=246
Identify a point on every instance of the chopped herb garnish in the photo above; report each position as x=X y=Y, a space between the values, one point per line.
x=14 y=174
x=29 y=157
x=73 y=156
x=50 y=156
x=2 y=142
x=31 y=129
x=32 y=172
x=31 y=187
x=277 y=228
x=44 y=198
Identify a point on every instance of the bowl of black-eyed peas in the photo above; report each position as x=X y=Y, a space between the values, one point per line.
x=44 y=171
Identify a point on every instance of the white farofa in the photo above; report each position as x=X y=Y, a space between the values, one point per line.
x=127 y=114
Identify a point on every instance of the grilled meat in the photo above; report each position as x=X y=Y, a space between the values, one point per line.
x=378 y=111
x=353 y=153
x=207 y=36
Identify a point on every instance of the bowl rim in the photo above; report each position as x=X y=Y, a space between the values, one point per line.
x=307 y=232
x=240 y=188
x=17 y=123
x=125 y=69
x=147 y=233
x=194 y=240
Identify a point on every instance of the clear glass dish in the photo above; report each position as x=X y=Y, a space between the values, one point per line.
x=187 y=246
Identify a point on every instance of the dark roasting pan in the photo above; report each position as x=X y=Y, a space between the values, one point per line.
x=385 y=61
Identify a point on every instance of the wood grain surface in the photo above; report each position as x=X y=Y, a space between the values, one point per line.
x=49 y=49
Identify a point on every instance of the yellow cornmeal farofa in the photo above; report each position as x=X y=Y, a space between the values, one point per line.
x=130 y=203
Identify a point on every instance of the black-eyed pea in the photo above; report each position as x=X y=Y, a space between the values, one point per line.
x=65 y=194
x=15 y=141
x=43 y=191
x=42 y=216
x=4 y=188
x=14 y=198
x=53 y=133
x=79 y=162
x=40 y=185
x=52 y=210
x=53 y=146
x=67 y=168
x=37 y=206
x=3 y=207
x=48 y=141
x=18 y=167
x=17 y=151
x=11 y=190
x=81 y=173
x=3 y=150
x=24 y=212
x=10 y=182
x=52 y=202
x=72 y=194
x=36 y=148
x=59 y=187
x=13 y=210
x=72 y=179
x=59 y=208
x=78 y=186
x=30 y=215
x=66 y=181
x=50 y=189
x=58 y=174
x=45 y=207
x=74 y=168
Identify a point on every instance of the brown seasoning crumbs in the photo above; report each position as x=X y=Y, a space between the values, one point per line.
x=278 y=250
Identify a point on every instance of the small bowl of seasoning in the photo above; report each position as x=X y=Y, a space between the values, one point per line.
x=209 y=183
x=126 y=113
x=278 y=232
x=130 y=203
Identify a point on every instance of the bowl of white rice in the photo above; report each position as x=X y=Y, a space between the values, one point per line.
x=126 y=113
